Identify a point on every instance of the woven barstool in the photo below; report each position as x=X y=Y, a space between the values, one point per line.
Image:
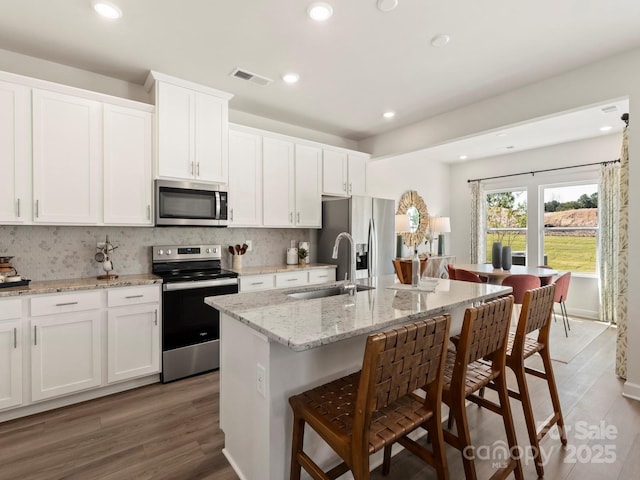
x=369 y=410
x=479 y=359
x=535 y=315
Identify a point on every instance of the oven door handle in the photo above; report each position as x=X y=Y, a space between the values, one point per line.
x=167 y=287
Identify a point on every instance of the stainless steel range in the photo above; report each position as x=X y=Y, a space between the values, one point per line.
x=190 y=328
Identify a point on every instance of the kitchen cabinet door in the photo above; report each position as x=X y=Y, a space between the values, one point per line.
x=278 y=182
x=308 y=186
x=67 y=151
x=245 y=179
x=128 y=178
x=357 y=174
x=15 y=161
x=133 y=341
x=65 y=354
x=192 y=134
x=10 y=360
x=334 y=173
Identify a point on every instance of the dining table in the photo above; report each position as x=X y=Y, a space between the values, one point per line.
x=497 y=275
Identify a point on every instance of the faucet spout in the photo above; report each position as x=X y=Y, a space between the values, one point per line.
x=350 y=286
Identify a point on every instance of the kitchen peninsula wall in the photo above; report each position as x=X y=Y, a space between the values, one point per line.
x=48 y=253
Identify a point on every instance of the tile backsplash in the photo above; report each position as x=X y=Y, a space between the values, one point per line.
x=50 y=253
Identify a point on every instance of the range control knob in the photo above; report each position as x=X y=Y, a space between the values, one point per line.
x=208 y=250
x=215 y=250
x=168 y=252
x=160 y=252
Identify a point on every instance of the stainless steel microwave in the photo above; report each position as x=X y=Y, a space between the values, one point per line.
x=190 y=204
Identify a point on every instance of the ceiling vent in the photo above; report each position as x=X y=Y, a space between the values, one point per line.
x=609 y=109
x=251 y=77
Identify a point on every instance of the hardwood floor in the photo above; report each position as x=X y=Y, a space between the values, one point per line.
x=171 y=432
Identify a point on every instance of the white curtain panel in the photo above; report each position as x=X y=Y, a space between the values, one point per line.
x=608 y=213
x=623 y=259
x=478 y=222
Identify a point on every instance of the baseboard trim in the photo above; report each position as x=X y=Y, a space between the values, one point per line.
x=631 y=390
x=233 y=464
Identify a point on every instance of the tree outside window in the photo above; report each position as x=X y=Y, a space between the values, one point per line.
x=507 y=220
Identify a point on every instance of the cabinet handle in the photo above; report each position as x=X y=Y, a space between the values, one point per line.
x=133 y=296
x=37 y=208
x=155 y=322
x=18 y=208
x=35 y=335
x=257 y=283
x=66 y=304
x=290 y=217
x=323 y=276
x=350 y=187
x=298 y=217
x=192 y=169
x=344 y=186
x=198 y=169
x=292 y=279
x=231 y=215
x=148 y=212
x=15 y=337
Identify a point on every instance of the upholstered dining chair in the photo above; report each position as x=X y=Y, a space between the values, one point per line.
x=370 y=410
x=545 y=280
x=452 y=271
x=480 y=358
x=520 y=284
x=467 y=276
x=562 y=290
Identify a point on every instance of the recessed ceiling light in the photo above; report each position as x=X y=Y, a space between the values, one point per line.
x=387 y=5
x=463 y=157
x=107 y=9
x=389 y=114
x=320 y=11
x=440 y=40
x=291 y=78
x=606 y=128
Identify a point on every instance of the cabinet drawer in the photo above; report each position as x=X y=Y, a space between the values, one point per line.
x=254 y=283
x=72 y=302
x=291 y=279
x=322 y=275
x=10 y=308
x=117 y=297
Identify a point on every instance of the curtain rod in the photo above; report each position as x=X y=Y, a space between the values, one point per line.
x=533 y=172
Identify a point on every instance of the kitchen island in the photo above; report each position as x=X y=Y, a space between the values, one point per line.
x=274 y=345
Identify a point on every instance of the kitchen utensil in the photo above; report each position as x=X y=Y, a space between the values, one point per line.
x=244 y=248
x=238 y=249
x=5 y=259
x=231 y=250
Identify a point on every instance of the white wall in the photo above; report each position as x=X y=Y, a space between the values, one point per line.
x=612 y=78
x=391 y=177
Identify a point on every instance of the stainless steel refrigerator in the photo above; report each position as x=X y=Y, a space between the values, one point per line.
x=371 y=222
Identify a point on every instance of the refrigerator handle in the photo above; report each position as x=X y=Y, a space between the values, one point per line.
x=373 y=249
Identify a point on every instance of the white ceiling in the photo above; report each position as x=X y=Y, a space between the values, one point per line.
x=354 y=67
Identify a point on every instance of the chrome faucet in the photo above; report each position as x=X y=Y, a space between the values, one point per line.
x=350 y=286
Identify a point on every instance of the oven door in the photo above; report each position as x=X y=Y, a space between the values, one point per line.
x=187 y=203
x=186 y=319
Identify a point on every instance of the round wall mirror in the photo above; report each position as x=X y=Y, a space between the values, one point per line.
x=412 y=205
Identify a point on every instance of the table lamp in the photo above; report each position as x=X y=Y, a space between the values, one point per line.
x=441 y=225
x=402 y=226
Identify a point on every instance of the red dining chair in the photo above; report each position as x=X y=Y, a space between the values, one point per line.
x=452 y=271
x=562 y=290
x=467 y=276
x=520 y=284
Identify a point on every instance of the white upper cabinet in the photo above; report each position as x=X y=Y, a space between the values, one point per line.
x=308 y=186
x=344 y=173
x=15 y=158
x=192 y=130
x=278 y=182
x=128 y=181
x=67 y=149
x=245 y=179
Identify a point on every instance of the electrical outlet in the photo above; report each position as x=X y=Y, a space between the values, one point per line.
x=261 y=378
x=249 y=244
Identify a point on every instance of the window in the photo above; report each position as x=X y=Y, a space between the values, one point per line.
x=507 y=222
x=571 y=227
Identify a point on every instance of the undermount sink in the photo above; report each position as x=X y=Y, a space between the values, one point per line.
x=325 y=292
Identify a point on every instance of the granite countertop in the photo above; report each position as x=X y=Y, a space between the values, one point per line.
x=304 y=324
x=75 y=284
x=280 y=268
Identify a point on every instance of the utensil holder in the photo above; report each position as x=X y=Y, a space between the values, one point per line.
x=237 y=262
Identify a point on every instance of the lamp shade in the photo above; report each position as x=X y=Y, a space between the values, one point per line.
x=442 y=225
x=402 y=223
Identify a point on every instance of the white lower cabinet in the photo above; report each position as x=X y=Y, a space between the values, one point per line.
x=65 y=354
x=268 y=281
x=133 y=341
x=10 y=353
